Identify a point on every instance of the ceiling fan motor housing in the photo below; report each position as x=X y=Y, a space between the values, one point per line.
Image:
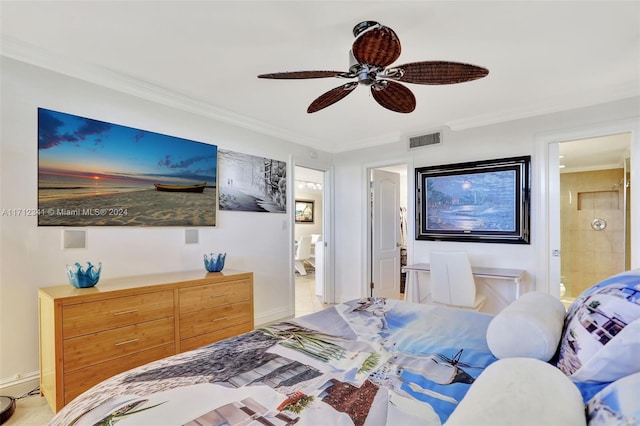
x=367 y=75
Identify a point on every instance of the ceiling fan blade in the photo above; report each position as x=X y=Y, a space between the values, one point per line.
x=331 y=97
x=378 y=46
x=394 y=96
x=293 y=75
x=438 y=72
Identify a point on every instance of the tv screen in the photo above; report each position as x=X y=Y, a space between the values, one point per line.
x=480 y=201
x=94 y=173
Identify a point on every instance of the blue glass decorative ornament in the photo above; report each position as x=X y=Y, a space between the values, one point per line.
x=214 y=262
x=81 y=277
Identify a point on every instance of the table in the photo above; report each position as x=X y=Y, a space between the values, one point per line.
x=414 y=292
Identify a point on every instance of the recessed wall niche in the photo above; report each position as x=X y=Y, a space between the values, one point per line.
x=607 y=200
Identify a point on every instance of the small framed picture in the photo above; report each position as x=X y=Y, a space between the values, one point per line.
x=304 y=211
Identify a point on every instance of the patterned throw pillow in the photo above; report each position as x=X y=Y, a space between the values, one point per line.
x=601 y=337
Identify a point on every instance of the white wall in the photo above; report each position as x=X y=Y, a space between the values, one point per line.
x=510 y=139
x=32 y=257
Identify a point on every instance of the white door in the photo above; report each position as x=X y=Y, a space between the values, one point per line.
x=385 y=238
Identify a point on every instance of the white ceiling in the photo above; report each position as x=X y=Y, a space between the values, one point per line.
x=605 y=152
x=204 y=56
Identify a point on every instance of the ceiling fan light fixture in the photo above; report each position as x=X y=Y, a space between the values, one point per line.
x=354 y=65
x=363 y=26
x=380 y=85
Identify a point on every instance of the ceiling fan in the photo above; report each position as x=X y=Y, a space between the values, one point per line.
x=374 y=49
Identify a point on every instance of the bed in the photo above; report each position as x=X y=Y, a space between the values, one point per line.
x=374 y=361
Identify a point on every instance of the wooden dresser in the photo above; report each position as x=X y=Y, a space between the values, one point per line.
x=88 y=335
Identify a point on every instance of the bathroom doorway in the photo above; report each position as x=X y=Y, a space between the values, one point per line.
x=594 y=211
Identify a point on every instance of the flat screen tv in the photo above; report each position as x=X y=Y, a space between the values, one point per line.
x=482 y=201
x=94 y=173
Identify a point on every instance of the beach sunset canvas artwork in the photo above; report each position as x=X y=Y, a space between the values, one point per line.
x=94 y=173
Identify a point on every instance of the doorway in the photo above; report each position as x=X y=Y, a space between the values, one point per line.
x=310 y=228
x=594 y=204
x=386 y=222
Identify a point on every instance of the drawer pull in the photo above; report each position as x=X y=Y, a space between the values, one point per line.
x=126 y=342
x=219 y=319
x=130 y=311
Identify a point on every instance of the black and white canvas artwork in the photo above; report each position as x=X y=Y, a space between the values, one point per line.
x=251 y=183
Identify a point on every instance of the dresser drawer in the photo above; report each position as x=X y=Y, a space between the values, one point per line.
x=83 y=351
x=214 y=336
x=79 y=381
x=92 y=317
x=208 y=296
x=205 y=321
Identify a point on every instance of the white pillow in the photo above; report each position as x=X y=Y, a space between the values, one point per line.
x=529 y=327
x=517 y=392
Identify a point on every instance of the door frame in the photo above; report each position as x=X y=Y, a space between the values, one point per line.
x=367 y=225
x=377 y=178
x=547 y=196
x=328 y=293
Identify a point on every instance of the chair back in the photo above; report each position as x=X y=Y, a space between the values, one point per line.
x=451 y=278
x=304 y=248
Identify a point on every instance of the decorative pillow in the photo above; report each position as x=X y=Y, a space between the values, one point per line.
x=601 y=338
x=529 y=327
x=520 y=391
x=617 y=404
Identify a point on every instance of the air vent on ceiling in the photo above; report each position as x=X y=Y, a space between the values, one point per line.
x=425 y=140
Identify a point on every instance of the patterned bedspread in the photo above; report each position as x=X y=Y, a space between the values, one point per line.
x=366 y=362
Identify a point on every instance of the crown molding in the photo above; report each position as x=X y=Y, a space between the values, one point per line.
x=105 y=77
x=625 y=91
x=356 y=145
x=27 y=53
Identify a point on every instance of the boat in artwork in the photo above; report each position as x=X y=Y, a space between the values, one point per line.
x=199 y=187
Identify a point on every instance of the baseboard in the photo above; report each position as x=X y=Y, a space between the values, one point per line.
x=344 y=300
x=273 y=316
x=18 y=387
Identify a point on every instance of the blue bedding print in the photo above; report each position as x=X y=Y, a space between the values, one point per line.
x=369 y=361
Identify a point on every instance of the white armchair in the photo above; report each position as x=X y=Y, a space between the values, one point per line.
x=452 y=282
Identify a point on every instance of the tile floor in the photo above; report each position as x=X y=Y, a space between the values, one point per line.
x=30 y=411
x=306 y=300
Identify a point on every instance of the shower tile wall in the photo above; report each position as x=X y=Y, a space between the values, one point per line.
x=589 y=256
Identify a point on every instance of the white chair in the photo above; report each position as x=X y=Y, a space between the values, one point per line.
x=303 y=252
x=315 y=238
x=452 y=282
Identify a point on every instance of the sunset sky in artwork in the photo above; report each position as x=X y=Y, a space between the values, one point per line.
x=70 y=146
